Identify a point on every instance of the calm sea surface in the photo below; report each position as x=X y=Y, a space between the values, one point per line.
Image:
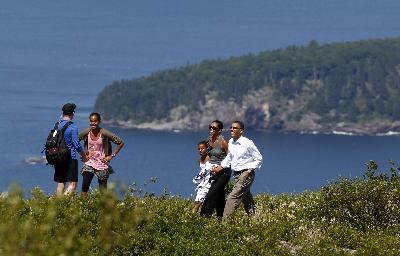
x=53 y=52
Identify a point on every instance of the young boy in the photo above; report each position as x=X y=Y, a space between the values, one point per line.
x=202 y=180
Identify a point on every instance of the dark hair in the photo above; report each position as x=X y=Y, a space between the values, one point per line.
x=239 y=123
x=220 y=124
x=96 y=115
x=68 y=109
x=203 y=142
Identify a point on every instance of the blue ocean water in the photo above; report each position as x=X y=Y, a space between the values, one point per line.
x=56 y=52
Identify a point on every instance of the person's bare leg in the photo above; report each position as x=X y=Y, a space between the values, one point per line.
x=60 y=189
x=196 y=207
x=70 y=189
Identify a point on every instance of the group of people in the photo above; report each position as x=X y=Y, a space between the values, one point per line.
x=96 y=153
x=219 y=159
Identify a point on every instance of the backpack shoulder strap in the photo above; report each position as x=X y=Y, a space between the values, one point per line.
x=66 y=126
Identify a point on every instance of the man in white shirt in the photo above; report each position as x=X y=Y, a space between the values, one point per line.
x=243 y=158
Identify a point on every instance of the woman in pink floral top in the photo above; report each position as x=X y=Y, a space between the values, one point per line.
x=97 y=141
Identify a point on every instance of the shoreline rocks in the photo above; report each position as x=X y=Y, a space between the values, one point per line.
x=32 y=160
x=372 y=128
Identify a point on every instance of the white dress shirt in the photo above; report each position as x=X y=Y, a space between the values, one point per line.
x=242 y=155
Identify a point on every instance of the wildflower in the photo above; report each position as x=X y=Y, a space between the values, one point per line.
x=290 y=216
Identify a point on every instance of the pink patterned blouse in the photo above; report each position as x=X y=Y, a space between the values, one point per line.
x=96 y=153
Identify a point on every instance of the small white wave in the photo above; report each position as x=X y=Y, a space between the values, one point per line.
x=343 y=133
x=309 y=132
x=389 y=133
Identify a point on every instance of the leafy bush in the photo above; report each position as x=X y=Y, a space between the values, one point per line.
x=346 y=217
x=372 y=202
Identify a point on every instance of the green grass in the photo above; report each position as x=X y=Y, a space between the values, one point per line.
x=347 y=217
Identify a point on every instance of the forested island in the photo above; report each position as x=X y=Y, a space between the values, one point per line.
x=339 y=87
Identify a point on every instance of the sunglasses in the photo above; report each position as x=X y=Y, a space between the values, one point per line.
x=213 y=128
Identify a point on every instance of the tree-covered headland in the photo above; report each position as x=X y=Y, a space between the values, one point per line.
x=350 y=86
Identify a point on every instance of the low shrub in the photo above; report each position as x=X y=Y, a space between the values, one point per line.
x=372 y=202
x=347 y=217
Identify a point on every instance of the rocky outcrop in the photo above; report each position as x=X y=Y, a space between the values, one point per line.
x=260 y=110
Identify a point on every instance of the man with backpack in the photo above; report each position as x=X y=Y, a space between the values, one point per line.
x=66 y=170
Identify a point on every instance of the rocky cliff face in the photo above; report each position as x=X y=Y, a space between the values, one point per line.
x=261 y=110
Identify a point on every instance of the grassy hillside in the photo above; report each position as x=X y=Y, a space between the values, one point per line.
x=348 y=217
x=339 y=82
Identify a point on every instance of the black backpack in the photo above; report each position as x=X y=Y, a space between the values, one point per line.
x=55 y=148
